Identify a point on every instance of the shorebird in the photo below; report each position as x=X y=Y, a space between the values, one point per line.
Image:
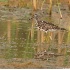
x=46 y=26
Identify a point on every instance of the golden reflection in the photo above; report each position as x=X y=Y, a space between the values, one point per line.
x=17 y=30
x=60 y=40
x=60 y=37
x=9 y=30
x=42 y=36
x=38 y=40
x=48 y=37
x=68 y=37
x=60 y=61
x=32 y=30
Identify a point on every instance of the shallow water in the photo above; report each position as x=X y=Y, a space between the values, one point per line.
x=22 y=45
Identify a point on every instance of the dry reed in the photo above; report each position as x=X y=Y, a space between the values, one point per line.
x=50 y=9
x=59 y=9
x=35 y=4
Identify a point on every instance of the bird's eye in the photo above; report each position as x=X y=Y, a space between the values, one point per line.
x=42 y=21
x=35 y=14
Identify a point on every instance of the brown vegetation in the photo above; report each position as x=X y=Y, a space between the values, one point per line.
x=21 y=3
x=3 y=3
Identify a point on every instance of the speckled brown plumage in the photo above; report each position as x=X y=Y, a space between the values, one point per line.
x=46 y=25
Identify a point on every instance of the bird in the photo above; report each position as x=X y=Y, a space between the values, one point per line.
x=46 y=26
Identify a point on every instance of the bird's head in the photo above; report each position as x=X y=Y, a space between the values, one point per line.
x=36 y=16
